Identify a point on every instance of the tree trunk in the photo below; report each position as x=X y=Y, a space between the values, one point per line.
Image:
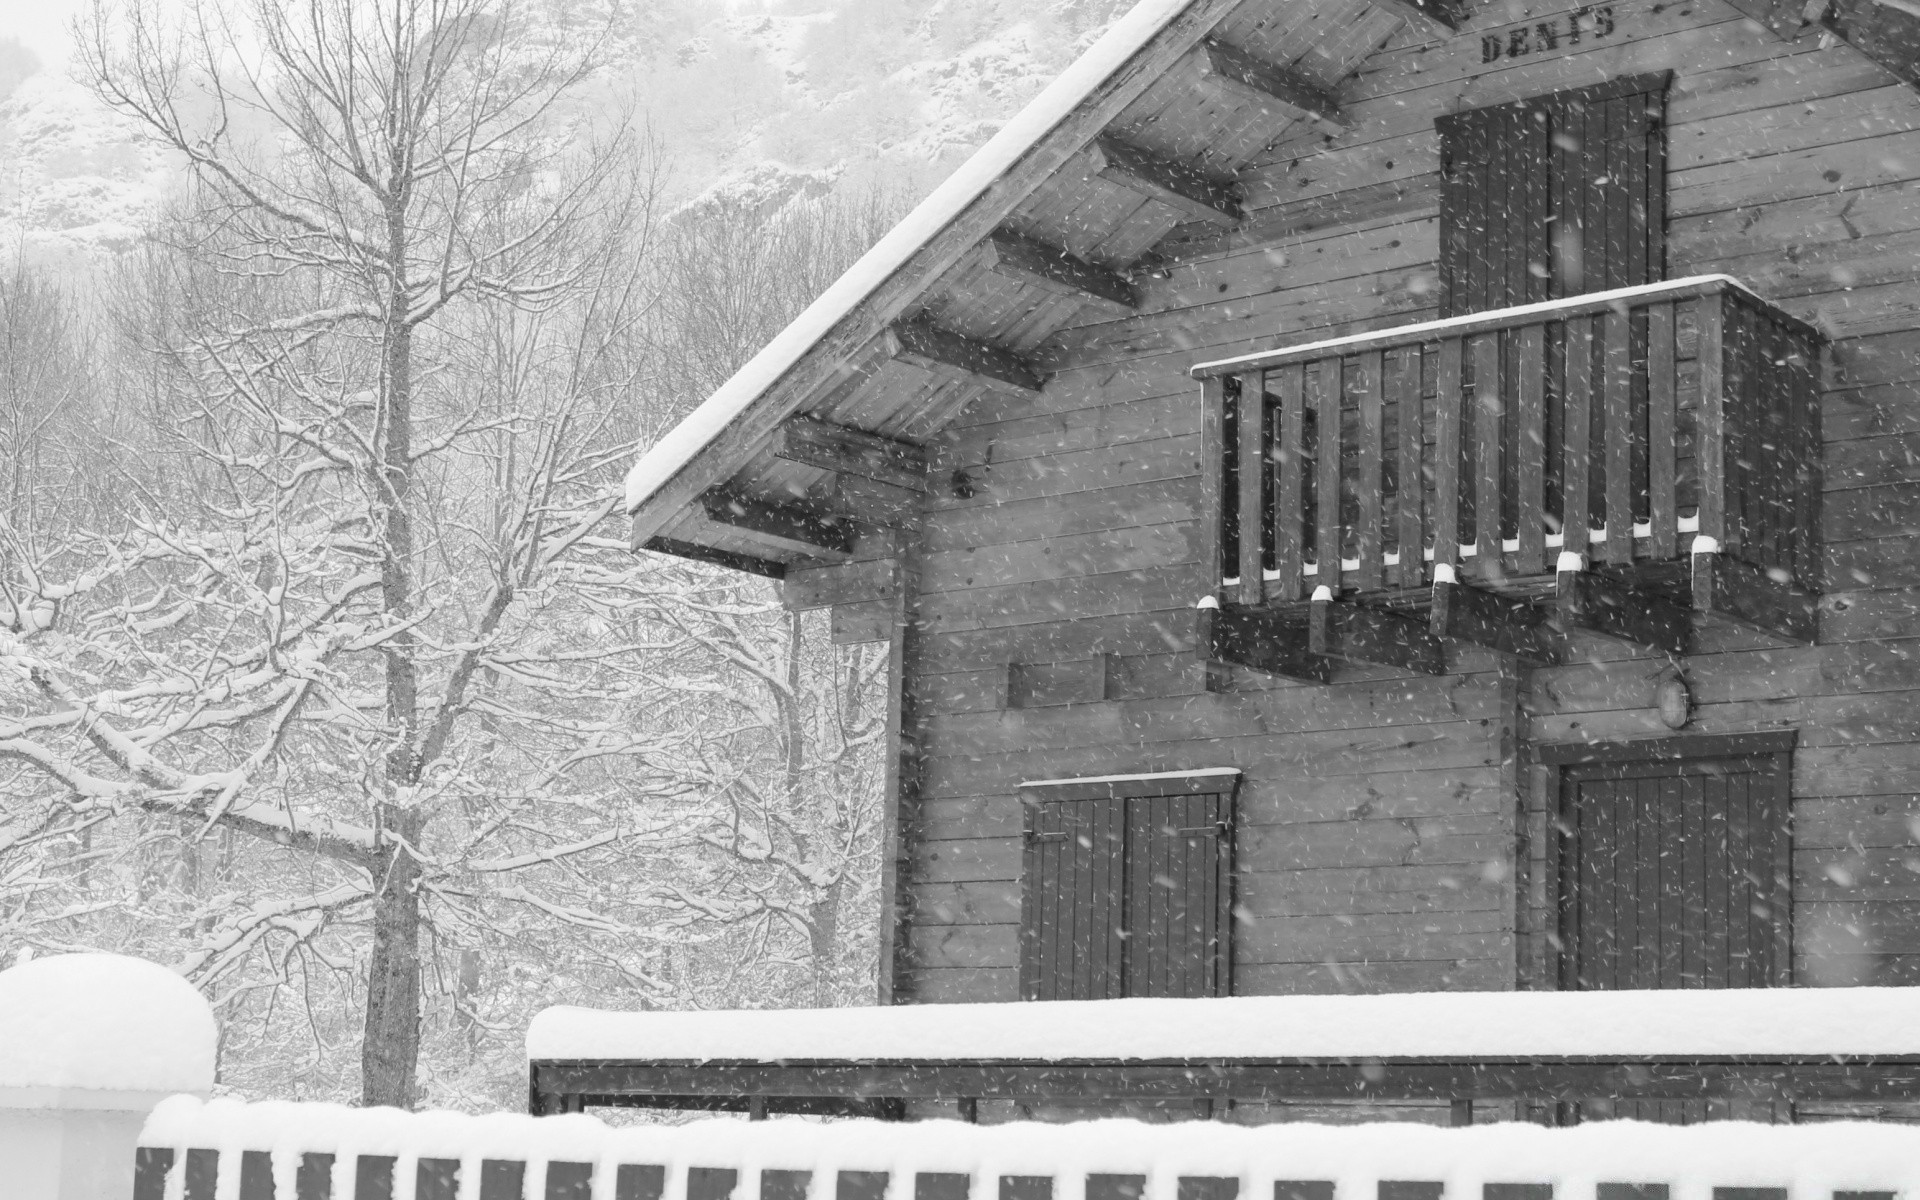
x=389 y=1054
x=824 y=914
x=391 y=1047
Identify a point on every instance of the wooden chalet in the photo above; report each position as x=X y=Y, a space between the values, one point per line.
x=1380 y=496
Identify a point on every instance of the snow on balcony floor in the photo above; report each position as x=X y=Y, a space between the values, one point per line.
x=1761 y=1022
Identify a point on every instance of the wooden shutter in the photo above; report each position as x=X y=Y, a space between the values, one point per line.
x=1127 y=896
x=1675 y=874
x=1072 y=944
x=1178 y=868
x=1554 y=196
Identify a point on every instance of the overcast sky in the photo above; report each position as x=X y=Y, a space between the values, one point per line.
x=41 y=25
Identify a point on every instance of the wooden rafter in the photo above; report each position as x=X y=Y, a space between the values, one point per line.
x=1198 y=196
x=927 y=345
x=779 y=526
x=1232 y=70
x=1886 y=31
x=719 y=558
x=845 y=450
x=1057 y=271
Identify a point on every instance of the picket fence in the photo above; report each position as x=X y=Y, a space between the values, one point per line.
x=227 y=1150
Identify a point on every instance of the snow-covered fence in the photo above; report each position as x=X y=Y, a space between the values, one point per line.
x=226 y=1150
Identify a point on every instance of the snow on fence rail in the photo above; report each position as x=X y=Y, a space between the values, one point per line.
x=226 y=1150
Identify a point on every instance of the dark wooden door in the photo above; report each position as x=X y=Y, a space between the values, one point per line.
x=1175 y=890
x=1073 y=926
x=1675 y=874
x=1127 y=896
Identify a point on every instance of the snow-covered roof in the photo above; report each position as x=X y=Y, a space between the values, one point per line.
x=1760 y=1022
x=674 y=452
x=103 y=1022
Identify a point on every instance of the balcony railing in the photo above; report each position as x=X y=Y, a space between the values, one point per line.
x=325 y=1152
x=1629 y=427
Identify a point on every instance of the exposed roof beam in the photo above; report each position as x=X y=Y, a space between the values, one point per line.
x=779 y=526
x=1057 y=271
x=848 y=451
x=1884 y=31
x=872 y=502
x=1232 y=70
x=1200 y=197
x=1440 y=14
x=720 y=558
x=924 y=344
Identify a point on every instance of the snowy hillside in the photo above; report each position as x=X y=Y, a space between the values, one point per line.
x=772 y=99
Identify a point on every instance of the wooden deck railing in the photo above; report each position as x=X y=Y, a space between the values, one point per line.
x=306 y=1152
x=1620 y=426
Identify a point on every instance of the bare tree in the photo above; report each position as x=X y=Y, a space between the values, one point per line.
x=371 y=173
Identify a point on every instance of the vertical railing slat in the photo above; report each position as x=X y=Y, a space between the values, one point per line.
x=1404 y=394
x=1711 y=423
x=201 y=1174
x=1806 y=434
x=151 y=1165
x=1449 y=395
x=1780 y=459
x=1663 y=507
x=1489 y=405
x=256 y=1175
x=1326 y=391
x=314 y=1178
x=1734 y=427
x=1290 y=512
x=639 y=1181
x=1616 y=391
x=373 y=1177
x=1530 y=449
x=1368 y=537
x=1576 y=463
x=1213 y=469
x=1254 y=466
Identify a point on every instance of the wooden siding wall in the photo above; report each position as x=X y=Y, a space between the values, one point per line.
x=1377 y=825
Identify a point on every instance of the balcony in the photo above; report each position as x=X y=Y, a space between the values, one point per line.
x=1614 y=462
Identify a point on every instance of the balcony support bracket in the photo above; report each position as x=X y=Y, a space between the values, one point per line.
x=1468 y=614
x=1727 y=587
x=1374 y=635
x=1615 y=607
x=1263 y=640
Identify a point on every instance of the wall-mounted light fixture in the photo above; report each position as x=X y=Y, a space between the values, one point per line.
x=1671 y=697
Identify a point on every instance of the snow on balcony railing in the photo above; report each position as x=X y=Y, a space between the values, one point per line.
x=199 y=1151
x=1759 y=1022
